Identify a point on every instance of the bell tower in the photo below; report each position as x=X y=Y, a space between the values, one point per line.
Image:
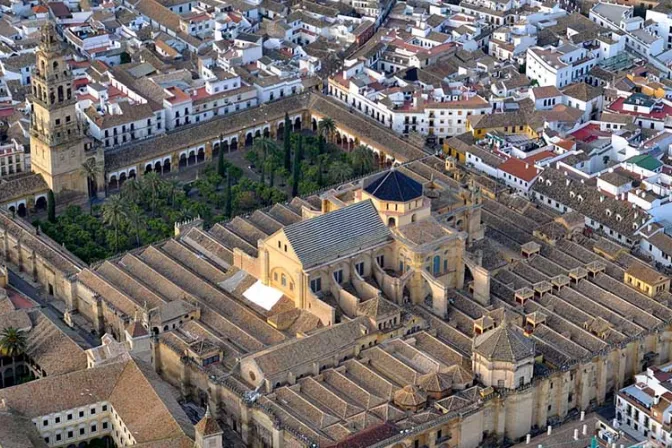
x=58 y=143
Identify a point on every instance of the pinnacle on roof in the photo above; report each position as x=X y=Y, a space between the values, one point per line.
x=394 y=186
x=410 y=396
x=208 y=425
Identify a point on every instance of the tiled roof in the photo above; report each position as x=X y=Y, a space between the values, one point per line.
x=504 y=343
x=329 y=236
x=394 y=186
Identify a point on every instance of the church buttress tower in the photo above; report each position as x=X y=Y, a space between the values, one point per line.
x=58 y=143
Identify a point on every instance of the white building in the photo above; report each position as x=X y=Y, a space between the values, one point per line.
x=644 y=409
x=558 y=67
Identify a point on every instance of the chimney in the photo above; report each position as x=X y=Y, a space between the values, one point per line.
x=527 y=439
x=576 y=434
x=583 y=415
x=584 y=430
x=601 y=198
x=567 y=182
x=527 y=166
x=549 y=429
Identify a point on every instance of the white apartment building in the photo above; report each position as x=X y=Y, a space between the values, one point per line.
x=641 y=38
x=559 y=67
x=644 y=409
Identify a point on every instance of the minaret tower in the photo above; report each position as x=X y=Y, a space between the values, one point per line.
x=58 y=143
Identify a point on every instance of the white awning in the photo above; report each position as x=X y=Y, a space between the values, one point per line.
x=262 y=295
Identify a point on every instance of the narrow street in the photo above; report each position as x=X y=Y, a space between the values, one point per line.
x=49 y=310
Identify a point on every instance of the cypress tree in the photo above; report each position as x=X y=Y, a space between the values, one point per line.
x=298 y=154
x=229 y=205
x=287 y=135
x=51 y=206
x=221 y=167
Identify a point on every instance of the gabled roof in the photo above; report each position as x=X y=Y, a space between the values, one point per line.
x=394 y=186
x=335 y=234
x=504 y=343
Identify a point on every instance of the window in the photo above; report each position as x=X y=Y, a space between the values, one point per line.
x=57 y=419
x=82 y=431
x=94 y=428
x=338 y=276
x=283 y=280
x=69 y=417
x=316 y=284
x=81 y=414
x=45 y=422
x=359 y=267
x=71 y=434
x=104 y=425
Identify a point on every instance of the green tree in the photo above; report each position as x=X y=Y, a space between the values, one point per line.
x=136 y=220
x=221 y=166
x=362 y=160
x=13 y=344
x=340 y=172
x=322 y=161
x=131 y=190
x=51 y=206
x=152 y=185
x=327 y=128
x=262 y=147
x=287 y=142
x=114 y=214
x=298 y=154
x=228 y=211
x=91 y=171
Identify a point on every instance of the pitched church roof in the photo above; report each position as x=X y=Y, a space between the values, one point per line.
x=332 y=235
x=504 y=343
x=394 y=186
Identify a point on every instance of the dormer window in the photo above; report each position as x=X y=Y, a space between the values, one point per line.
x=548 y=182
x=608 y=212
x=618 y=217
x=580 y=198
x=634 y=226
x=572 y=194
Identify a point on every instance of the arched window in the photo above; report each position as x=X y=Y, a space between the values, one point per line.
x=283 y=280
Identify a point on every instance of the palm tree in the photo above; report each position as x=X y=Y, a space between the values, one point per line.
x=362 y=159
x=131 y=190
x=136 y=219
x=12 y=343
x=340 y=172
x=152 y=184
x=114 y=214
x=91 y=170
x=172 y=187
x=327 y=128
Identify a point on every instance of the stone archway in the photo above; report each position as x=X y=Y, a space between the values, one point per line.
x=192 y=158
x=148 y=168
x=157 y=167
x=215 y=150
x=166 y=166
x=22 y=211
x=281 y=131
x=249 y=139
x=183 y=160
x=41 y=203
x=234 y=144
x=257 y=133
x=131 y=174
x=200 y=156
x=267 y=132
x=112 y=184
x=122 y=179
x=297 y=124
x=314 y=124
